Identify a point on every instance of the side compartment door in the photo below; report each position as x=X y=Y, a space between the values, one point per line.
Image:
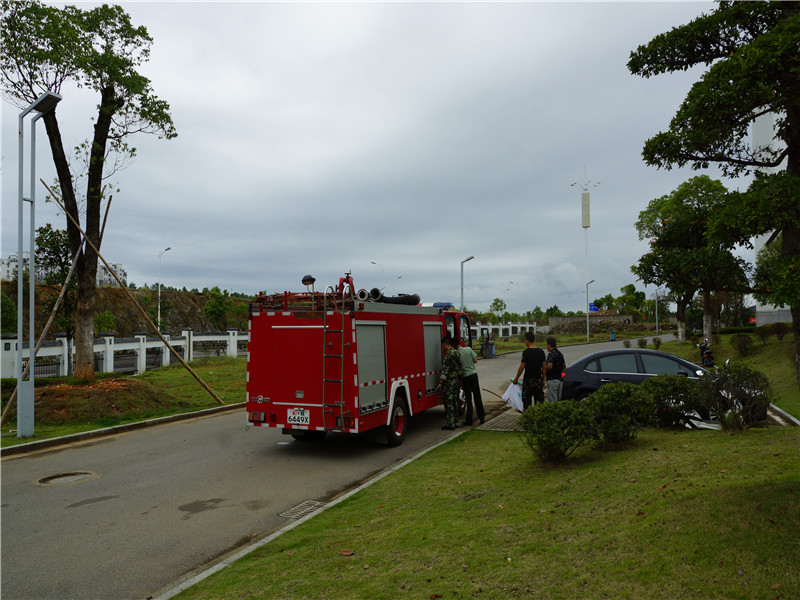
x=372 y=385
x=433 y=355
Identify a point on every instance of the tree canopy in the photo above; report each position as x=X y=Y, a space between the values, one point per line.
x=751 y=51
x=100 y=50
x=682 y=256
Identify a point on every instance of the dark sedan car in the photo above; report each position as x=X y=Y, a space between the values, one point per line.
x=631 y=365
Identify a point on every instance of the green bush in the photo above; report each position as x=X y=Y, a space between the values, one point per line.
x=736 y=394
x=642 y=342
x=763 y=332
x=619 y=409
x=657 y=342
x=555 y=430
x=626 y=343
x=742 y=342
x=673 y=396
x=780 y=329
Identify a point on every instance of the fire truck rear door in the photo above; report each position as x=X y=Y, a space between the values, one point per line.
x=297 y=366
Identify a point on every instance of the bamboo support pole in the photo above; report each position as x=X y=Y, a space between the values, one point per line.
x=52 y=317
x=138 y=306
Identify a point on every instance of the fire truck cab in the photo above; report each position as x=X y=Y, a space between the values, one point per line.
x=345 y=361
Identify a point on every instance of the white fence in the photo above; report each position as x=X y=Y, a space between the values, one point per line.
x=505 y=329
x=133 y=355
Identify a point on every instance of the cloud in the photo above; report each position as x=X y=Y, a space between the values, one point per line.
x=322 y=137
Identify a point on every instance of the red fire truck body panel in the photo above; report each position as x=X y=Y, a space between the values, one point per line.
x=352 y=368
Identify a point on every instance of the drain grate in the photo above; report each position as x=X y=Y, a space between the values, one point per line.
x=302 y=509
x=68 y=478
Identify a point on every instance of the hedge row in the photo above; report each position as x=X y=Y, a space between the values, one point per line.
x=735 y=396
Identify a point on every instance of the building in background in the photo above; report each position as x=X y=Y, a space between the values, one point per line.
x=763 y=132
x=8 y=271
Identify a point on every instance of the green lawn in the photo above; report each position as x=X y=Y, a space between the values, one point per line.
x=64 y=407
x=677 y=514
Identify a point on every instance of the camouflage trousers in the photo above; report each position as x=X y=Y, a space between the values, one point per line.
x=532 y=388
x=451 y=407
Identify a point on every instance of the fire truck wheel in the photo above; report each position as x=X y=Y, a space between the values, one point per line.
x=398 y=424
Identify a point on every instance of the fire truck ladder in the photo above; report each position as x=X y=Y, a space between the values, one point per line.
x=333 y=362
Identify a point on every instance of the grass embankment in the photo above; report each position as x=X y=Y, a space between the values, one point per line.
x=677 y=514
x=63 y=406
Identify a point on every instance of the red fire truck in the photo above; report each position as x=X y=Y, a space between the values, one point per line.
x=345 y=361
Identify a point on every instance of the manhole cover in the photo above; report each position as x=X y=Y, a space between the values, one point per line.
x=302 y=509
x=68 y=478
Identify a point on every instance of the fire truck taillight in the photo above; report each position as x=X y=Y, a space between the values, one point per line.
x=346 y=422
x=256 y=417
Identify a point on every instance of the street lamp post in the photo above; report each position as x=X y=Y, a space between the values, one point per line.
x=43 y=104
x=462 y=280
x=587 y=308
x=160 y=254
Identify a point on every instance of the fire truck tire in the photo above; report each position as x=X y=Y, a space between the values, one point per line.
x=398 y=424
x=309 y=435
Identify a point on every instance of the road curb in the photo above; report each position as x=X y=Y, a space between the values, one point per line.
x=99 y=433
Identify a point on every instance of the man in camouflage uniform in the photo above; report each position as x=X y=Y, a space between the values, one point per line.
x=449 y=382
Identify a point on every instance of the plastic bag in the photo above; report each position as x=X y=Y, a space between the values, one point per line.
x=513 y=396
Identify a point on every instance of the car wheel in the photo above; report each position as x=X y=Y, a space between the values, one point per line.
x=583 y=396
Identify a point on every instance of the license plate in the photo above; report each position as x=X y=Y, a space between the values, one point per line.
x=298 y=416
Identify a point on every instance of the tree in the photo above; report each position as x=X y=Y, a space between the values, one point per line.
x=498 y=307
x=8 y=314
x=751 y=53
x=104 y=321
x=682 y=256
x=54 y=257
x=98 y=49
x=607 y=302
x=217 y=306
x=630 y=302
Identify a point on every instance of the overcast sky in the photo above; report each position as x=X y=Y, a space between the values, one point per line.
x=319 y=138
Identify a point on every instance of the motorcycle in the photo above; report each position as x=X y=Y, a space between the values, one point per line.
x=706 y=354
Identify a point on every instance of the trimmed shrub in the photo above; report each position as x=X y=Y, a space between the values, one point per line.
x=742 y=342
x=642 y=342
x=619 y=409
x=779 y=330
x=626 y=343
x=555 y=430
x=673 y=396
x=736 y=394
x=763 y=332
x=657 y=342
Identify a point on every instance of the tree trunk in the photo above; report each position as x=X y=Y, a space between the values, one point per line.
x=680 y=315
x=707 y=316
x=84 y=333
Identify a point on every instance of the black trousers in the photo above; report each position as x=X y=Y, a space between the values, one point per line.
x=472 y=388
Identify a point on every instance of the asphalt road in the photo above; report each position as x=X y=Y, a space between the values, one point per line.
x=159 y=503
x=132 y=515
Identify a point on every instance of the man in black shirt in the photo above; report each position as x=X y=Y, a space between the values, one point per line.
x=554 y=367
x=533 y=363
